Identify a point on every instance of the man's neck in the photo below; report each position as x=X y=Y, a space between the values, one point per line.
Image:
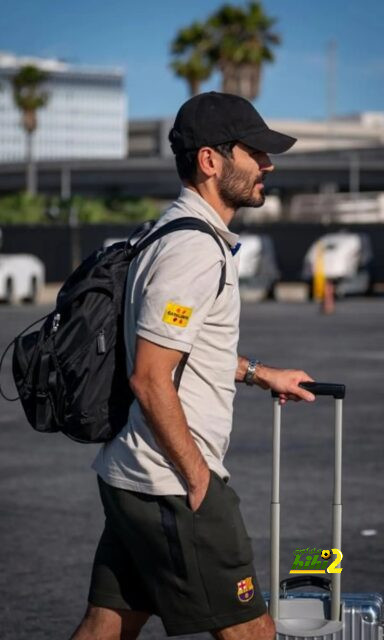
x=212 y=197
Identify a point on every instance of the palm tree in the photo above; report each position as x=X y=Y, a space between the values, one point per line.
x=29 y=97
x=243 y=41
x=190 y=50
x=236 y=40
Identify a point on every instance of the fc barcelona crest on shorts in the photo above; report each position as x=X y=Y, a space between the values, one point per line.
x=245 y=590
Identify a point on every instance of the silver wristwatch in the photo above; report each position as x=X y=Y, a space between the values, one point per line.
x=250 y=373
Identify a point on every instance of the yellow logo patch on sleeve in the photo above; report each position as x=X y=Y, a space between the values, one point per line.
x=177 y=315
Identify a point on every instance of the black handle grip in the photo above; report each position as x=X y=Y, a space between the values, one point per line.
x=305 y=581
x=321 y=389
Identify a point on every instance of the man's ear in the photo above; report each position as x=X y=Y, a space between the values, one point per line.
x=208 y=161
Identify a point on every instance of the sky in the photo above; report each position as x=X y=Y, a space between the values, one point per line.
x=136 y=35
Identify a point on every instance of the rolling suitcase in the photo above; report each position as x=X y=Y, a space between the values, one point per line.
x=329 y=614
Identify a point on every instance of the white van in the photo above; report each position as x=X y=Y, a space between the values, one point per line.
x=258 y=271
x=22 y=277
x=347 y=261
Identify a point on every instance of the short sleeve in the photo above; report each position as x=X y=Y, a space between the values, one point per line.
x=180 y=290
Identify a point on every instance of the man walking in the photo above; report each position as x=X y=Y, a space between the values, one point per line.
x=174 y=542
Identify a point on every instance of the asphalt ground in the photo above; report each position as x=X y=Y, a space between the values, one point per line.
x=50 y=516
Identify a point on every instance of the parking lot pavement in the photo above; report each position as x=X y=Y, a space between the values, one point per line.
x=50 y=513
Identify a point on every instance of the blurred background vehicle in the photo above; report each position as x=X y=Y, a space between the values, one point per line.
x=346 y=259
x=22 y=277
x=258 y=270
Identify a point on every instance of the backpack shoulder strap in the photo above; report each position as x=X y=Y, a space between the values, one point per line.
x=180 y=224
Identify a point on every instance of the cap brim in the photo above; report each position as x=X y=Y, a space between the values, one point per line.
x=269 y=141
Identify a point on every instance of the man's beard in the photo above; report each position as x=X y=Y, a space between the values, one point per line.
x=236 y=187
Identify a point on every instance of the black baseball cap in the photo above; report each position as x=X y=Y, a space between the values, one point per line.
x=209 y=119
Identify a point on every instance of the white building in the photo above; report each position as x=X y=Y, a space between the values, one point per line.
x=357 y=131
x=85 y=116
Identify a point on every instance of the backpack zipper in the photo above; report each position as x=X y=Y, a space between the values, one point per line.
x=101 y=342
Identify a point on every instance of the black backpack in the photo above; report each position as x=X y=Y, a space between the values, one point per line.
x=71 y=374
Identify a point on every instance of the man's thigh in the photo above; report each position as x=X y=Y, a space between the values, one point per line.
x=116 y=583
x=218 y=549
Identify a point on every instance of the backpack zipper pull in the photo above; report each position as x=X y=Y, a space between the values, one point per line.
x=55 y=322
x=101 y=342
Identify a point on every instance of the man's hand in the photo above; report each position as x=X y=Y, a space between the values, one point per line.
x=285 y=382
x=198 y=489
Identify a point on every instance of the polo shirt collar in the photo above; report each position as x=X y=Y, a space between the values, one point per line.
x=193 y=201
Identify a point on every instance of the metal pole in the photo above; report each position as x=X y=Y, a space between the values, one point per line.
x=65 y=183
x=337 y=508
x=31 y=165
x=275 y=513
x=74 y=234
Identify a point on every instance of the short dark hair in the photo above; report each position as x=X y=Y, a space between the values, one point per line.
x=186 y=164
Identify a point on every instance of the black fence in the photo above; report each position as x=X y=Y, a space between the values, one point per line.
x=59 y=247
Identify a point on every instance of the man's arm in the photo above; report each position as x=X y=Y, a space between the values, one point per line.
x=284 y=381
x=152 y=384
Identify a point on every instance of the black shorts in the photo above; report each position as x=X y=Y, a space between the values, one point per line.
x=193 y=569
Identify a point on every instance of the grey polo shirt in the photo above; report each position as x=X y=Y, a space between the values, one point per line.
x=173 y=302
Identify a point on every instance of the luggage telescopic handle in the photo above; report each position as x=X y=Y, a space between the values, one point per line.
x=338 y=392
x=305 y=581
x=321 y=389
